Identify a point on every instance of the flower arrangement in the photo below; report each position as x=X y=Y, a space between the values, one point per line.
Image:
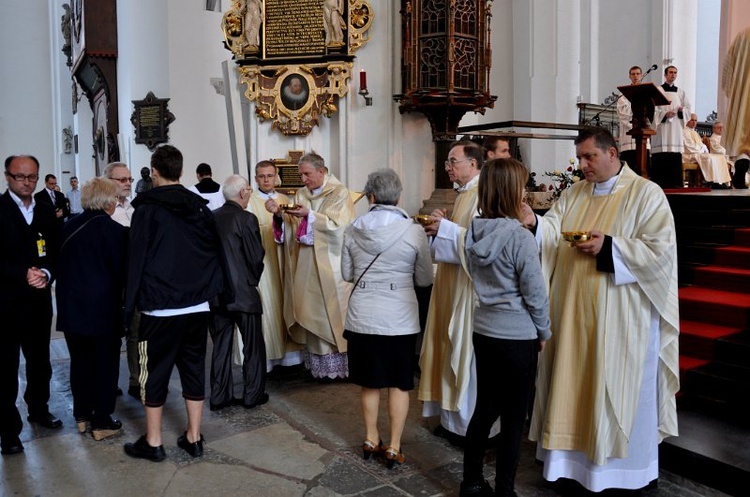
x=563 y=179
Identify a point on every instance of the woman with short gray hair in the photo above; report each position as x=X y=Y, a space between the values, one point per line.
x=385 y=255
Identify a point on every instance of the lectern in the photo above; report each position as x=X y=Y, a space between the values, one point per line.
x=643 y=98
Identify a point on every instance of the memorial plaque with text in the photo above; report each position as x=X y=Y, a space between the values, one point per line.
x=151 y=119
x=293 y=29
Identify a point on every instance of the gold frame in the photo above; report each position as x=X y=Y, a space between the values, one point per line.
x=326 y=76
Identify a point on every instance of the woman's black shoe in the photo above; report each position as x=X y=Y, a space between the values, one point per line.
x=100 y=431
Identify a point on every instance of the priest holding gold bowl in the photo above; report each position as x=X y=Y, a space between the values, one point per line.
x=608 y=377
x=315 y=295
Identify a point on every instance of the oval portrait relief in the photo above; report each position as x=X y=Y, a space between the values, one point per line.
x=294 y=92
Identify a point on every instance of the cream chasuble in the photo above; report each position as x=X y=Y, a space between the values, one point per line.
x=270 y=287
x=447 y=349
x=590 y=372
x=735 y=81
x=315 y=295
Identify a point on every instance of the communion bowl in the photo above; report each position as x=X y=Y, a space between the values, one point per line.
x=289 y=207
x=424 y=219
x=574 y=237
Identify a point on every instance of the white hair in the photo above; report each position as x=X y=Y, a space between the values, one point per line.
x=233 y=185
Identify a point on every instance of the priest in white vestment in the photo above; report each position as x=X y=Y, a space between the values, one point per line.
x=608 y=377
x=448 y=381
x=667 y=144
x=281 y=350
x=735 y=81
x=713 y=166
x=315 y=294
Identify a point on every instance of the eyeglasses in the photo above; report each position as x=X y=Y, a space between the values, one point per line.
x=123 y=180
x=23 y=177
x=452 y=162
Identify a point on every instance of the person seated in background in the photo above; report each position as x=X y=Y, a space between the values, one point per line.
x=90 y=281
x=207 y=187
x=713 y=166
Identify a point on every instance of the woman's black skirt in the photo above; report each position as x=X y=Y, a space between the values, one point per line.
x=381 y=361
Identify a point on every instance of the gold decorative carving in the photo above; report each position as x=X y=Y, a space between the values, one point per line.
x=293 y=96
x=295 y=56
x=360 y=20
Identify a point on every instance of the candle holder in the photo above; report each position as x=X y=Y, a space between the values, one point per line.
x=366 y=95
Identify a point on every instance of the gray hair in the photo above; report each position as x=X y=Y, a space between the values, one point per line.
x=233 y=185
x=385 y=186
x=98 y=194
x=314 y=160
x=107 y=173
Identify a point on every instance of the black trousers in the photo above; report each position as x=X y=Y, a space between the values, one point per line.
x=26 y=330
x=505 y=375
x=94 y=370
x=666 y=169
x=221 y=328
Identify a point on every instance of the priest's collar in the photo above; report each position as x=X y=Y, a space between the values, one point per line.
x=267 y=195
x=606 y=187
x=469 y=184
x=668 y=87
x=316 y=191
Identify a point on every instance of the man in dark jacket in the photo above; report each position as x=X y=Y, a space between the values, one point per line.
x=50 y=196
x=175 y=267
x=29 y=236
x=240 y=237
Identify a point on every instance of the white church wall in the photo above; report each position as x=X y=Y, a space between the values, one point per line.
x=707 y=58
x=27 y=124
x=142 y=66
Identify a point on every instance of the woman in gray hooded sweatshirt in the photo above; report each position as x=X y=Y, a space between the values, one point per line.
x=511 y=323
x=385 y=255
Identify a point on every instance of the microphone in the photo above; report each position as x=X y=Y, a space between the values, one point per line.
x=652 y=68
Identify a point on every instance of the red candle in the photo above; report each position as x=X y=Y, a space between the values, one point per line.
x=362 y=80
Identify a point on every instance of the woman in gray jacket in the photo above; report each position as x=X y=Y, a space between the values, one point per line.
x=385 y=255
x=511 y=323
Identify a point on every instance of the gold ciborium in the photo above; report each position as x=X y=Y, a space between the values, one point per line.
x=574 y=237
x=289 y=207
x=424 y=219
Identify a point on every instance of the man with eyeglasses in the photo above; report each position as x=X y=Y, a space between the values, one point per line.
x=120 y=174
x=29 y=239
x=448 y=383
x=280 y=348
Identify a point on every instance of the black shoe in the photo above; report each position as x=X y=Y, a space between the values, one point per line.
x=135 y=392
x=262 y=400
x=476 y=489
x=47 y=420
x=105 y=430
x=195 y=449
x=224 y=405
x=142 y=450
x=11 y=445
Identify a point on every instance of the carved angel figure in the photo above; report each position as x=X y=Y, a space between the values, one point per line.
x=333 y=22
x=254 y=17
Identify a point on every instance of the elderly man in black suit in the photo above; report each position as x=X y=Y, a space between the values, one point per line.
x=50 y=196
x=240 y=237
x=29 y=238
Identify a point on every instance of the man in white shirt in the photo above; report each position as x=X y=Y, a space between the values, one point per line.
x=120 y=174
x=74 y=196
